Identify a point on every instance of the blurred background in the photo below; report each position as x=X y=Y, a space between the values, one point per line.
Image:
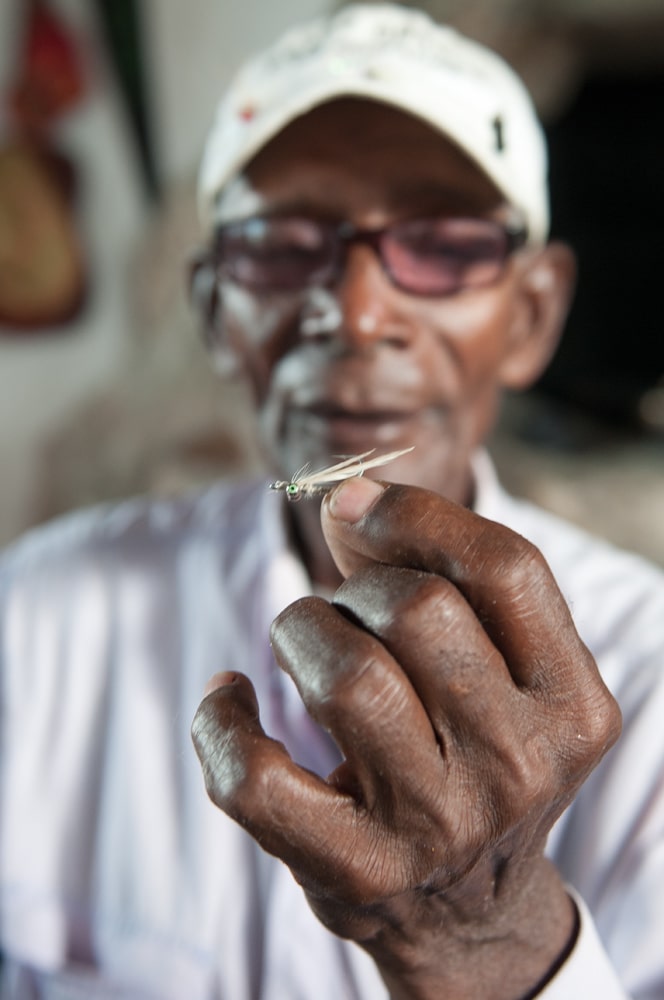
x=105 y=390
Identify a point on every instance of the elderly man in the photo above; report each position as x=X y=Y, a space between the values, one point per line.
x=430 y=760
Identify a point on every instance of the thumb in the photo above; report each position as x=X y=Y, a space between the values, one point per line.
x=342 y=512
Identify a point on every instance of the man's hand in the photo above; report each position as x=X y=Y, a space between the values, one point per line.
x=468 y=712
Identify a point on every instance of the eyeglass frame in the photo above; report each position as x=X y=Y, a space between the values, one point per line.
x=204 y=276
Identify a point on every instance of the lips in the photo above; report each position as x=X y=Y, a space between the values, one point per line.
x=334 y=411
x=355 y=429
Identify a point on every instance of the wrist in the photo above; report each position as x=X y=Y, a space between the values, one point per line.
x=425 y=952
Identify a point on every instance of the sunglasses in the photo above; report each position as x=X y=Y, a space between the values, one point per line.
x=429 y=256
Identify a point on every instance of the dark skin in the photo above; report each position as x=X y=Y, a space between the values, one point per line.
x=447 y=667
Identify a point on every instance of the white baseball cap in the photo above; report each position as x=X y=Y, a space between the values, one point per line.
x=401 y=57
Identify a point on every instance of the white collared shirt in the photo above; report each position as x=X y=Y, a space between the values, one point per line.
x=118 y=878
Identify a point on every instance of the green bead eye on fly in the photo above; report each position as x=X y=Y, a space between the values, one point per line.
x=293 y=492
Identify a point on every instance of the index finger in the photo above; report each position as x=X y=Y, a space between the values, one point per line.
x=504 y=578
x=325 y=835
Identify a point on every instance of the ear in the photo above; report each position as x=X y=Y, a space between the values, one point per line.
x=543 y=293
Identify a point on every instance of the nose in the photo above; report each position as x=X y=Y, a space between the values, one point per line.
x=371 y=310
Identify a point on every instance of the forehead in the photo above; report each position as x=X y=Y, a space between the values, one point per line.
x=353 y=156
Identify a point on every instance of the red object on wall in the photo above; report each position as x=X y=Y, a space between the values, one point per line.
x=49 y=81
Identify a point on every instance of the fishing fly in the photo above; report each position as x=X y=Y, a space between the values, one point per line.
x=309 y=484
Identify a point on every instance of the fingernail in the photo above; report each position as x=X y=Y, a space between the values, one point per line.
x=217 y=681
x=352 y=499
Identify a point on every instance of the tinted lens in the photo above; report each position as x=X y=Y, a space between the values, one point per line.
x=441 y=256
x=276 y=254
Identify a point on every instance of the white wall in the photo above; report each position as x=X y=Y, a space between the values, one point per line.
x=196 y=45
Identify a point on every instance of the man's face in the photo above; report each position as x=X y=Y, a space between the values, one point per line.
x=360 y=364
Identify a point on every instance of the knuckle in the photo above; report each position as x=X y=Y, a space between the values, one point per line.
x=503 y=553
x=238 y=782
x=525 y=777
x=220 y=762
x=525 y=570
x=209 y=735
x=393 y=599
x=434 y=604
x=297 y=619
x=512 y=780
x=597 y=724
x=561 y=748
x=359 y=678
x=247 y=782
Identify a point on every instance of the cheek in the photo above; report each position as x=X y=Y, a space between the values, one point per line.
x=473 y=329
x=259 y=331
